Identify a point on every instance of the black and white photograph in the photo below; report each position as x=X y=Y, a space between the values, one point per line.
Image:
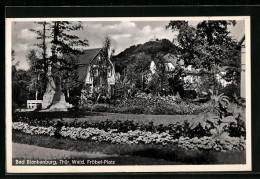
x=130 y=94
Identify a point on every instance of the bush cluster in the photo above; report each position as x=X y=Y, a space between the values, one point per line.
x=153 y=105
x=40 y=121
x=165 y=105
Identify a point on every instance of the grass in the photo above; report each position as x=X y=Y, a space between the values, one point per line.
x=139 y=118
x=101 y=116
x=135 y=154
x=58 y=114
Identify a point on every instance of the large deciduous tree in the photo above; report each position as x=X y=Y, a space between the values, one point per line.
x=208 y=47
x=37 y=73
x=20 y=84
x=137 y=71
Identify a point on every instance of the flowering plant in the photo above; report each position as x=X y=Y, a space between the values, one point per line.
x=37 y=130
x=135 y=137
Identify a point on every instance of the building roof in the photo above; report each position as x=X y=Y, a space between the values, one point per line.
x=84 y=60
x=170 y=59
x=88 y=55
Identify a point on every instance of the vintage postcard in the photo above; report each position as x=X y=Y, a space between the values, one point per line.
x=135 y=94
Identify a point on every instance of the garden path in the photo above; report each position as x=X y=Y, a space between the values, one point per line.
x=25 y=151
x=35 y=152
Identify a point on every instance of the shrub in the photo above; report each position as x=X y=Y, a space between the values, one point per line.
x=158 y=105
x=161 y=110
x=133 y=110
x=230 y=90
x=236 y=129
x=100 y=108
x=149 y=105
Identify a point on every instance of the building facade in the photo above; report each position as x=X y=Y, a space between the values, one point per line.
x=91 y=68
x=243 y=68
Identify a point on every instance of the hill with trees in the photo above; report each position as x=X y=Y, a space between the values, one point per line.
x=207 y=47
x=133 y=65
x=150 y=50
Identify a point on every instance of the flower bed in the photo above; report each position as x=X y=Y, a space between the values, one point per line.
x=176 y=130
x=33 y=130
x=135 y=137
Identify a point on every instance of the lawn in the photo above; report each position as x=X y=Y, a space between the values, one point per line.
x=102 y=116
x=137 y=118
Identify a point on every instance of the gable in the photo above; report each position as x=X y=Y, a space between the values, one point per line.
x=170 y=59
x=88 y=56
x=84 y=60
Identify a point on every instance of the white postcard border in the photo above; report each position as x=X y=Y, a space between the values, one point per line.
x=126 y=168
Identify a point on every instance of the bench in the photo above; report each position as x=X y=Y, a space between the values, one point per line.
x=34 y=104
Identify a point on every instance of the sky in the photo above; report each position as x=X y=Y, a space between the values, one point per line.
x=123 y=34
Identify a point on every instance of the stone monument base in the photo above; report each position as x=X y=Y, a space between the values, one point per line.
x=55 y=102
x=59 y=103
x=47 y=100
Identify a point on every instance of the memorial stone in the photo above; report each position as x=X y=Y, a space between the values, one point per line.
x=53 y=98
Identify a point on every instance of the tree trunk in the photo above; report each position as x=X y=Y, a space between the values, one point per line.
x=44 y=50
x=142 y=79
x=55 y=40
x=68 y=93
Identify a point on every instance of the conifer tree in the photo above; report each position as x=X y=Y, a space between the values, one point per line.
x=42 y=35
x=64 y=43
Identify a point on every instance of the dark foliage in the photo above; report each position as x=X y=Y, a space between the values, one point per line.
x=230 y=90
x=58 y=126
x=20 y=88
x=237 y=129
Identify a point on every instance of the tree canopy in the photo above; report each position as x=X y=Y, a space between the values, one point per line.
x=63 y=40
x=208 y=46
x=64 y=43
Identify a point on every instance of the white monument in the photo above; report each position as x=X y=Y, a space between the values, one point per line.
x=53 y=98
